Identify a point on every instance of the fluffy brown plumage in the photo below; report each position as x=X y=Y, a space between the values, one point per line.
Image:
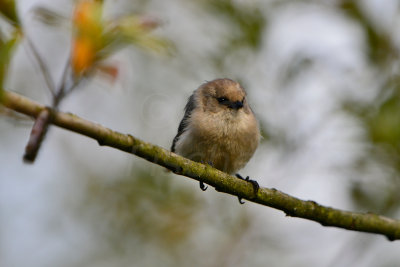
x=219 y=127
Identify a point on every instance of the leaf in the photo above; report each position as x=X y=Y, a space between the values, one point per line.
x=109 y=70
x=87 y=19
x=50 y=17
x=8 y=9
x=83 y=55
x=95 y=39
x=88 y=35
x=6 y=49
x=137 y=31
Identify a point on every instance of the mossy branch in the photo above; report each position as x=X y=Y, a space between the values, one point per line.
x=326 y=216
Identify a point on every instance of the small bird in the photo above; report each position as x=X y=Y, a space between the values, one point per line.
x=218 y=128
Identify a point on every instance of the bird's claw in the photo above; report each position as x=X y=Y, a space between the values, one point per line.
x=256 y=186
x=203 y=187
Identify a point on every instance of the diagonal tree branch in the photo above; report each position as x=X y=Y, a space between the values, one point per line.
x=326 y=216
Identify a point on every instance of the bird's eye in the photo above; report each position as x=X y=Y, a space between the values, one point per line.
x=222 y=99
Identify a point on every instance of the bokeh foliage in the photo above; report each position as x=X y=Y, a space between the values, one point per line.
x=146 y=207
x=246 y=26
x=7 y=44
x=8 y=9
x=382 y=117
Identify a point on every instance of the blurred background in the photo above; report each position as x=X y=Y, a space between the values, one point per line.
x=323 y=79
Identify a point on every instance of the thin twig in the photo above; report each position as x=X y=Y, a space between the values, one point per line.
x=42 y=65
x=63 y=89
x=62 y=92
x=64 y=75
x=326 y=216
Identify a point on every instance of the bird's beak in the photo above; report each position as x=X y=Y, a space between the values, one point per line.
x=236 y=105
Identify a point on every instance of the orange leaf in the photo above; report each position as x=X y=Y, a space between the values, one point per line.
x=83 y=55
x=110 y=70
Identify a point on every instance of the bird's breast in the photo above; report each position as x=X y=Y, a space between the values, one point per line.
x=226 y=142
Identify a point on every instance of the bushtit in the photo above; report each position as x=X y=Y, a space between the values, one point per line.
x=218 y=128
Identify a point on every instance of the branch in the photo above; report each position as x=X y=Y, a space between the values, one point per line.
x=326 y=216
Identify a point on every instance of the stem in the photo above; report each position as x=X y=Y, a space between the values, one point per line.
x=42 y=65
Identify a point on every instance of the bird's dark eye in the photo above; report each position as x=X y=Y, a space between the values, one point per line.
x=222 y=99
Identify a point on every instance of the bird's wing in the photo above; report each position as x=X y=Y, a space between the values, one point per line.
x=190 y=106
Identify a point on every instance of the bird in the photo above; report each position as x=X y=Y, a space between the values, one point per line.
x=218 y=127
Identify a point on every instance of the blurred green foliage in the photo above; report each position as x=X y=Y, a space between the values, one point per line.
x=247 y=21
x=136 y=30
x=9 y=10
x=383 y=129
x=157 y=212
x=380 y=45
x=7 y=45
x=146 y=207
x=246 y=27
x=381 y=118
x=384 y=126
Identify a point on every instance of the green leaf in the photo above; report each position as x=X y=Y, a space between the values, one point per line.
x=6 y=49
x=9 y=10
x=50 y=17
x=132 y=31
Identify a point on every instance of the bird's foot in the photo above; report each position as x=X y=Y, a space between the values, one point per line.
x=203 y=187
x=256 y=186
